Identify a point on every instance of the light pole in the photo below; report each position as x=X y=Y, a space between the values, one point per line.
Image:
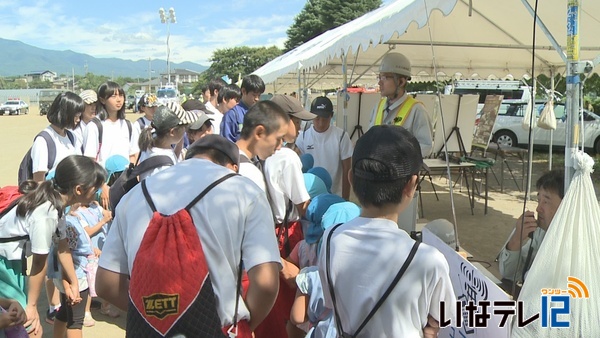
x=168 y=18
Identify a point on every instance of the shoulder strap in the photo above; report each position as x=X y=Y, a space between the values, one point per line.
x=129 y=128
x=195 y=200
x=51 y=147
x=141 y=122
x=151 y=163
x=71 y=136
x=387 y=292
x=9 y=207
x=99 y=126
x=329 y=284
x=381 y=300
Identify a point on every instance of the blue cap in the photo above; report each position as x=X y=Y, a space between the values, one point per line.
x=314 y=213
x=323 y=174
x=115 y=164
x=339 y=213
x=314 y=185
x=308 y=161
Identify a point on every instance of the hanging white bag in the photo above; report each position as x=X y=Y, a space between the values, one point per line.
x=564 y=275
x=547 y=118
x=527 y=116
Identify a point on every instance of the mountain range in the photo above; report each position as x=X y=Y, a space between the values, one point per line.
x=18 y=58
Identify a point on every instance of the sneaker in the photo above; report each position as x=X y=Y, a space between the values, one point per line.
x=88 y=320
x=50 y=316
x=108 y=310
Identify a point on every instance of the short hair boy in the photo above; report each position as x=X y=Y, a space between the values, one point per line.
x=366 y=253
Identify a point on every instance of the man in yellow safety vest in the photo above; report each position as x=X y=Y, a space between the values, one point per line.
x=396 y=107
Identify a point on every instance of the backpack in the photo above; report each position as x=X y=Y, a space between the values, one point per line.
x=170 y=288
x=8 y=196
x=141 y=122
x=130 y=177
x=381 y=300
x=100 y=128
x=26 y=166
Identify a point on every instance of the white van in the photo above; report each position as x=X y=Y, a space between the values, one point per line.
x=512 y=90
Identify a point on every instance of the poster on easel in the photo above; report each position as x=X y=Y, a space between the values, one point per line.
x=459 y=119
x=483 y=130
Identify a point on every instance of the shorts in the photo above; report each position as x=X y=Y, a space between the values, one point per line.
x=12 y=281
x=72 y=315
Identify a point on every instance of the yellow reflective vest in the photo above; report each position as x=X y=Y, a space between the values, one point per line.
x=403 y=112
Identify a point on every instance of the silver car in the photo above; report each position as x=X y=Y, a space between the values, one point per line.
x=508 y=130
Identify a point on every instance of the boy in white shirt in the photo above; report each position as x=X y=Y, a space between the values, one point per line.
x=359 y=259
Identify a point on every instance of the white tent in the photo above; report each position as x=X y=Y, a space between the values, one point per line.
x=474 y=38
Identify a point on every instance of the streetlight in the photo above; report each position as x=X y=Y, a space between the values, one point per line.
x=168 y=18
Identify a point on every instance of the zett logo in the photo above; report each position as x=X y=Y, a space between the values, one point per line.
x=161 y=305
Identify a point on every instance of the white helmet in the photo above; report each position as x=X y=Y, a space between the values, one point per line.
x=395 y=63
x=443 y=229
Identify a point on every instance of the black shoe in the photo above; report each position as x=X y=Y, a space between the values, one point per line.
x=50 y=316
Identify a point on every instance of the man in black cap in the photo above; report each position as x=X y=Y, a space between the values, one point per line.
x=359 y=259
x=329 y=145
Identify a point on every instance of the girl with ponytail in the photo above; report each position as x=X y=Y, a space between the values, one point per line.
x=35 y=219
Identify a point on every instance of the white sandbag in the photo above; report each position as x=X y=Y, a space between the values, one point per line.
x=547 y=118
x=570 y=248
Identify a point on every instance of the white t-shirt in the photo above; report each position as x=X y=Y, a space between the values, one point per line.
x=329 y=149
x=39 y=150
x=216 y=116
x=233 y=215
x=366 y=255
x=115 y=140
x=40 y=225
x=156 y=152
x=78 y=132
x=283 y=172
x=135 y=125
x=417 y=122
x=248 y=169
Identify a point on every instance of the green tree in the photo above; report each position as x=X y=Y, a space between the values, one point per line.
x=234 y=62
x=319 y=16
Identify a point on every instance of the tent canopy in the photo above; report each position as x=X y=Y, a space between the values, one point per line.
x=478 y=40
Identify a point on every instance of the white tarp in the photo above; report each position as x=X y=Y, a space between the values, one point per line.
x=489 y=38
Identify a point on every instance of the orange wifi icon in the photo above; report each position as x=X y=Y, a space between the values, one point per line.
x=577 y=288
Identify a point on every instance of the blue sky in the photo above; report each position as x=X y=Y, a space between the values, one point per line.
x=130 y=29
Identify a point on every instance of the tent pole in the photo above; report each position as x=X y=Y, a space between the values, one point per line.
x=530 y=146
x=345 y=89
x=551 y=130
x=573 y=82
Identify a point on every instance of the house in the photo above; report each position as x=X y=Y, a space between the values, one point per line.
x=182 y=76
x=45 y=75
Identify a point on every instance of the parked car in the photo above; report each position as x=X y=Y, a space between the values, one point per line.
x=508 y=130
x=14 y=107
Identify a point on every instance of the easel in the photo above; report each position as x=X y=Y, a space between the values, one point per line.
x=358 y=128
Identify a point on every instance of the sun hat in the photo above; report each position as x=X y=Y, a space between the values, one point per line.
x=393 y=148
x=89 y=96
x=148 y=100
x=218 y=142
x=314 y=185
x=293 y=107
x=323 y=174
x=314 y=214
x=172 y=115
x=308 y=161
x=339 y=213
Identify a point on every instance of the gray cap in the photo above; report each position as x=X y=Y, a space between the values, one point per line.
x=216 y=142
x=202 y=118
x=293 y=107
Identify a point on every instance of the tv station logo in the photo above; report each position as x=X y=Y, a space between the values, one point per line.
x=553 y=303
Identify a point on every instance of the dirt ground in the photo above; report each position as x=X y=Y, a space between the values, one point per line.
x=480 y=234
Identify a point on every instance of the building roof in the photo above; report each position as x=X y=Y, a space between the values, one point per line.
x=182 y=72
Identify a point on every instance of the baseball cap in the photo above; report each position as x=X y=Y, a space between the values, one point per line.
x=172 y=115
x=148 y=100
x=217 y=142
x=88 y=96
x=193 y=104
x=202 y=118
x=322 y=107
x=293 y=107
x=393 y=148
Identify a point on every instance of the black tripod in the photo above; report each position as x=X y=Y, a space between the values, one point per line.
x=358 y=128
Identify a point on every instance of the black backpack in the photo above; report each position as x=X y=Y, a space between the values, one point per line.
x=130 y=177
x=26 y=166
